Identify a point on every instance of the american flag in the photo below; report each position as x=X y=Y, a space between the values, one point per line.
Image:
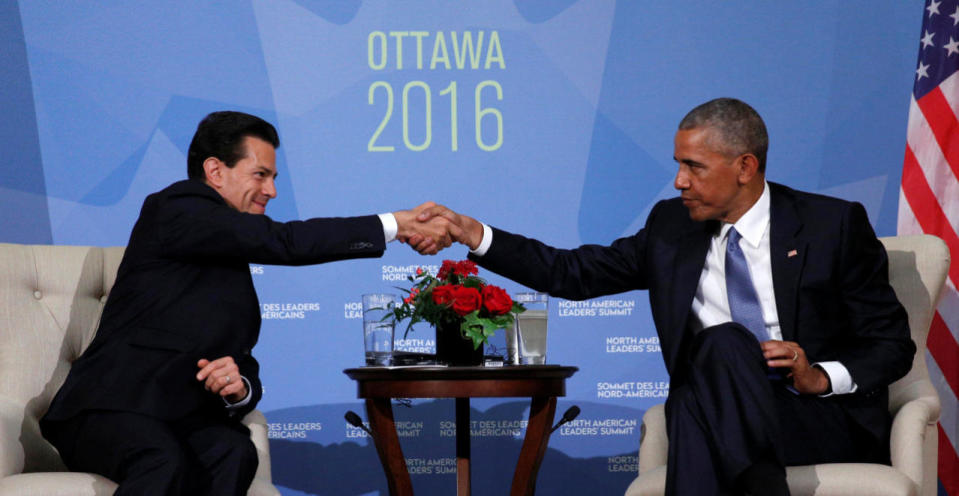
x=929 y=203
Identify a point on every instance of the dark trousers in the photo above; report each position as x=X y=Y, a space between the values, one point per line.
x=146 y=456
x=729 y=415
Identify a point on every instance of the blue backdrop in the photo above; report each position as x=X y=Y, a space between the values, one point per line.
x=553 y=118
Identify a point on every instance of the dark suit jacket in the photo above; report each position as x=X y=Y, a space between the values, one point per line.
x=832 y=294
x=184 y=292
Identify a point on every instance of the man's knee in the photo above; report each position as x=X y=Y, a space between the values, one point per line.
x=681 y=405
x=166 y=460
x=234 y=453
x=246 y=456
x=237 y=445
x=725 y=343
x=231 y=468
x=164 y=468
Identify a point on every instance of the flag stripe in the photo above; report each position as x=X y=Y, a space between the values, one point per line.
x=948 y=308
x=947 y=415
x=927 y=210
x=944 y=125
x=907 y=219
x=950 y=90
x=923 y=141
x=945 y=351
x=948 y=463
x=949 y=305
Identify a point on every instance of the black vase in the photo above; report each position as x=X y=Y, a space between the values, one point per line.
x=455 y=350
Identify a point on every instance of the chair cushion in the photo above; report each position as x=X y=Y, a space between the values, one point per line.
x=832 y=479
x=56 y=484
x=652 y=483
x=261 y=487
x=852 y=479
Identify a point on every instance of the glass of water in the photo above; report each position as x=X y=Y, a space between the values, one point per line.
x=378 y=333
x=530 y=327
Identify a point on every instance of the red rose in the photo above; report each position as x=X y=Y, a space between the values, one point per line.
x=443 y=295
x=496 y=300
x=465 y=268
x=445 y=269
x=465 y=300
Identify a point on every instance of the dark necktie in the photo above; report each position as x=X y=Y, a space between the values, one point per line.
x=743 y=301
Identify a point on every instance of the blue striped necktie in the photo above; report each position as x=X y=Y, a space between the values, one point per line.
x=743 y=301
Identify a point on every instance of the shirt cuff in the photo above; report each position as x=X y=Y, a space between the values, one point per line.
x=485 y=243
x=839 y=377
x=389 y=226
x=244 y=401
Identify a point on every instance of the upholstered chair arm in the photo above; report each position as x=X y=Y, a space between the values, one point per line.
x=11 y=421
x=256 y=422
x=652 y=439
x=653 y=446
x=909 y=431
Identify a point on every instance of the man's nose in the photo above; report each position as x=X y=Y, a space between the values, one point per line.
x=681 y=181
x=269 y=188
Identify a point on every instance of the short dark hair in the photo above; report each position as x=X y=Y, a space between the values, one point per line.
x=221 y=135
x=740 y=128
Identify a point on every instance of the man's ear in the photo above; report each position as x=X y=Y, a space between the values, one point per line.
x=213 y=170
x=748 y=167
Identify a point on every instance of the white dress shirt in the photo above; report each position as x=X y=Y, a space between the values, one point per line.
x=390 y=227
x=711 y=305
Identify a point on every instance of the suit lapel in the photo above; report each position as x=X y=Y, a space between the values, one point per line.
x=787 y=257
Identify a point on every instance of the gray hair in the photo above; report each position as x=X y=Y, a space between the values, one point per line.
x=738 y=127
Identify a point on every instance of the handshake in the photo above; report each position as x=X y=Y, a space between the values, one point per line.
x=429 y=228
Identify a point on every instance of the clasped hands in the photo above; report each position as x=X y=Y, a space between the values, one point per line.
x=429 y=228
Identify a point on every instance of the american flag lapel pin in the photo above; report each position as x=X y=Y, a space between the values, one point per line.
x=791 y=253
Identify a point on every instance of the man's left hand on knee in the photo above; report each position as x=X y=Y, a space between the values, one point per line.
x=789 y=355
x=222 y=377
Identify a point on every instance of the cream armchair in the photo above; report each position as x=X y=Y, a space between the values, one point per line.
x=917 y=269
x=50 y=303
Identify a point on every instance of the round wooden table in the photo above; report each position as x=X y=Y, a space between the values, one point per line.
x=542 y=383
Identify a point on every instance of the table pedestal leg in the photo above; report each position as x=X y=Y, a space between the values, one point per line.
x=462 y=446
x=380 y=413
x=541 y=411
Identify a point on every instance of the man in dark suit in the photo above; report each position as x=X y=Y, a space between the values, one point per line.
x=155 y=401
x=779 y=349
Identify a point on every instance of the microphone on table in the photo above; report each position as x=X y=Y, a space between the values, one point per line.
x=353 y=419
x=568 y=416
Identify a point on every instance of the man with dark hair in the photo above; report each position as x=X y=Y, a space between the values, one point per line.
x=778 y=326
x=737 y=128
x=155 y=401
x=219 y=135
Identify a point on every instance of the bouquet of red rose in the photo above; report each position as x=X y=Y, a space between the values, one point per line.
x=457 y=295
